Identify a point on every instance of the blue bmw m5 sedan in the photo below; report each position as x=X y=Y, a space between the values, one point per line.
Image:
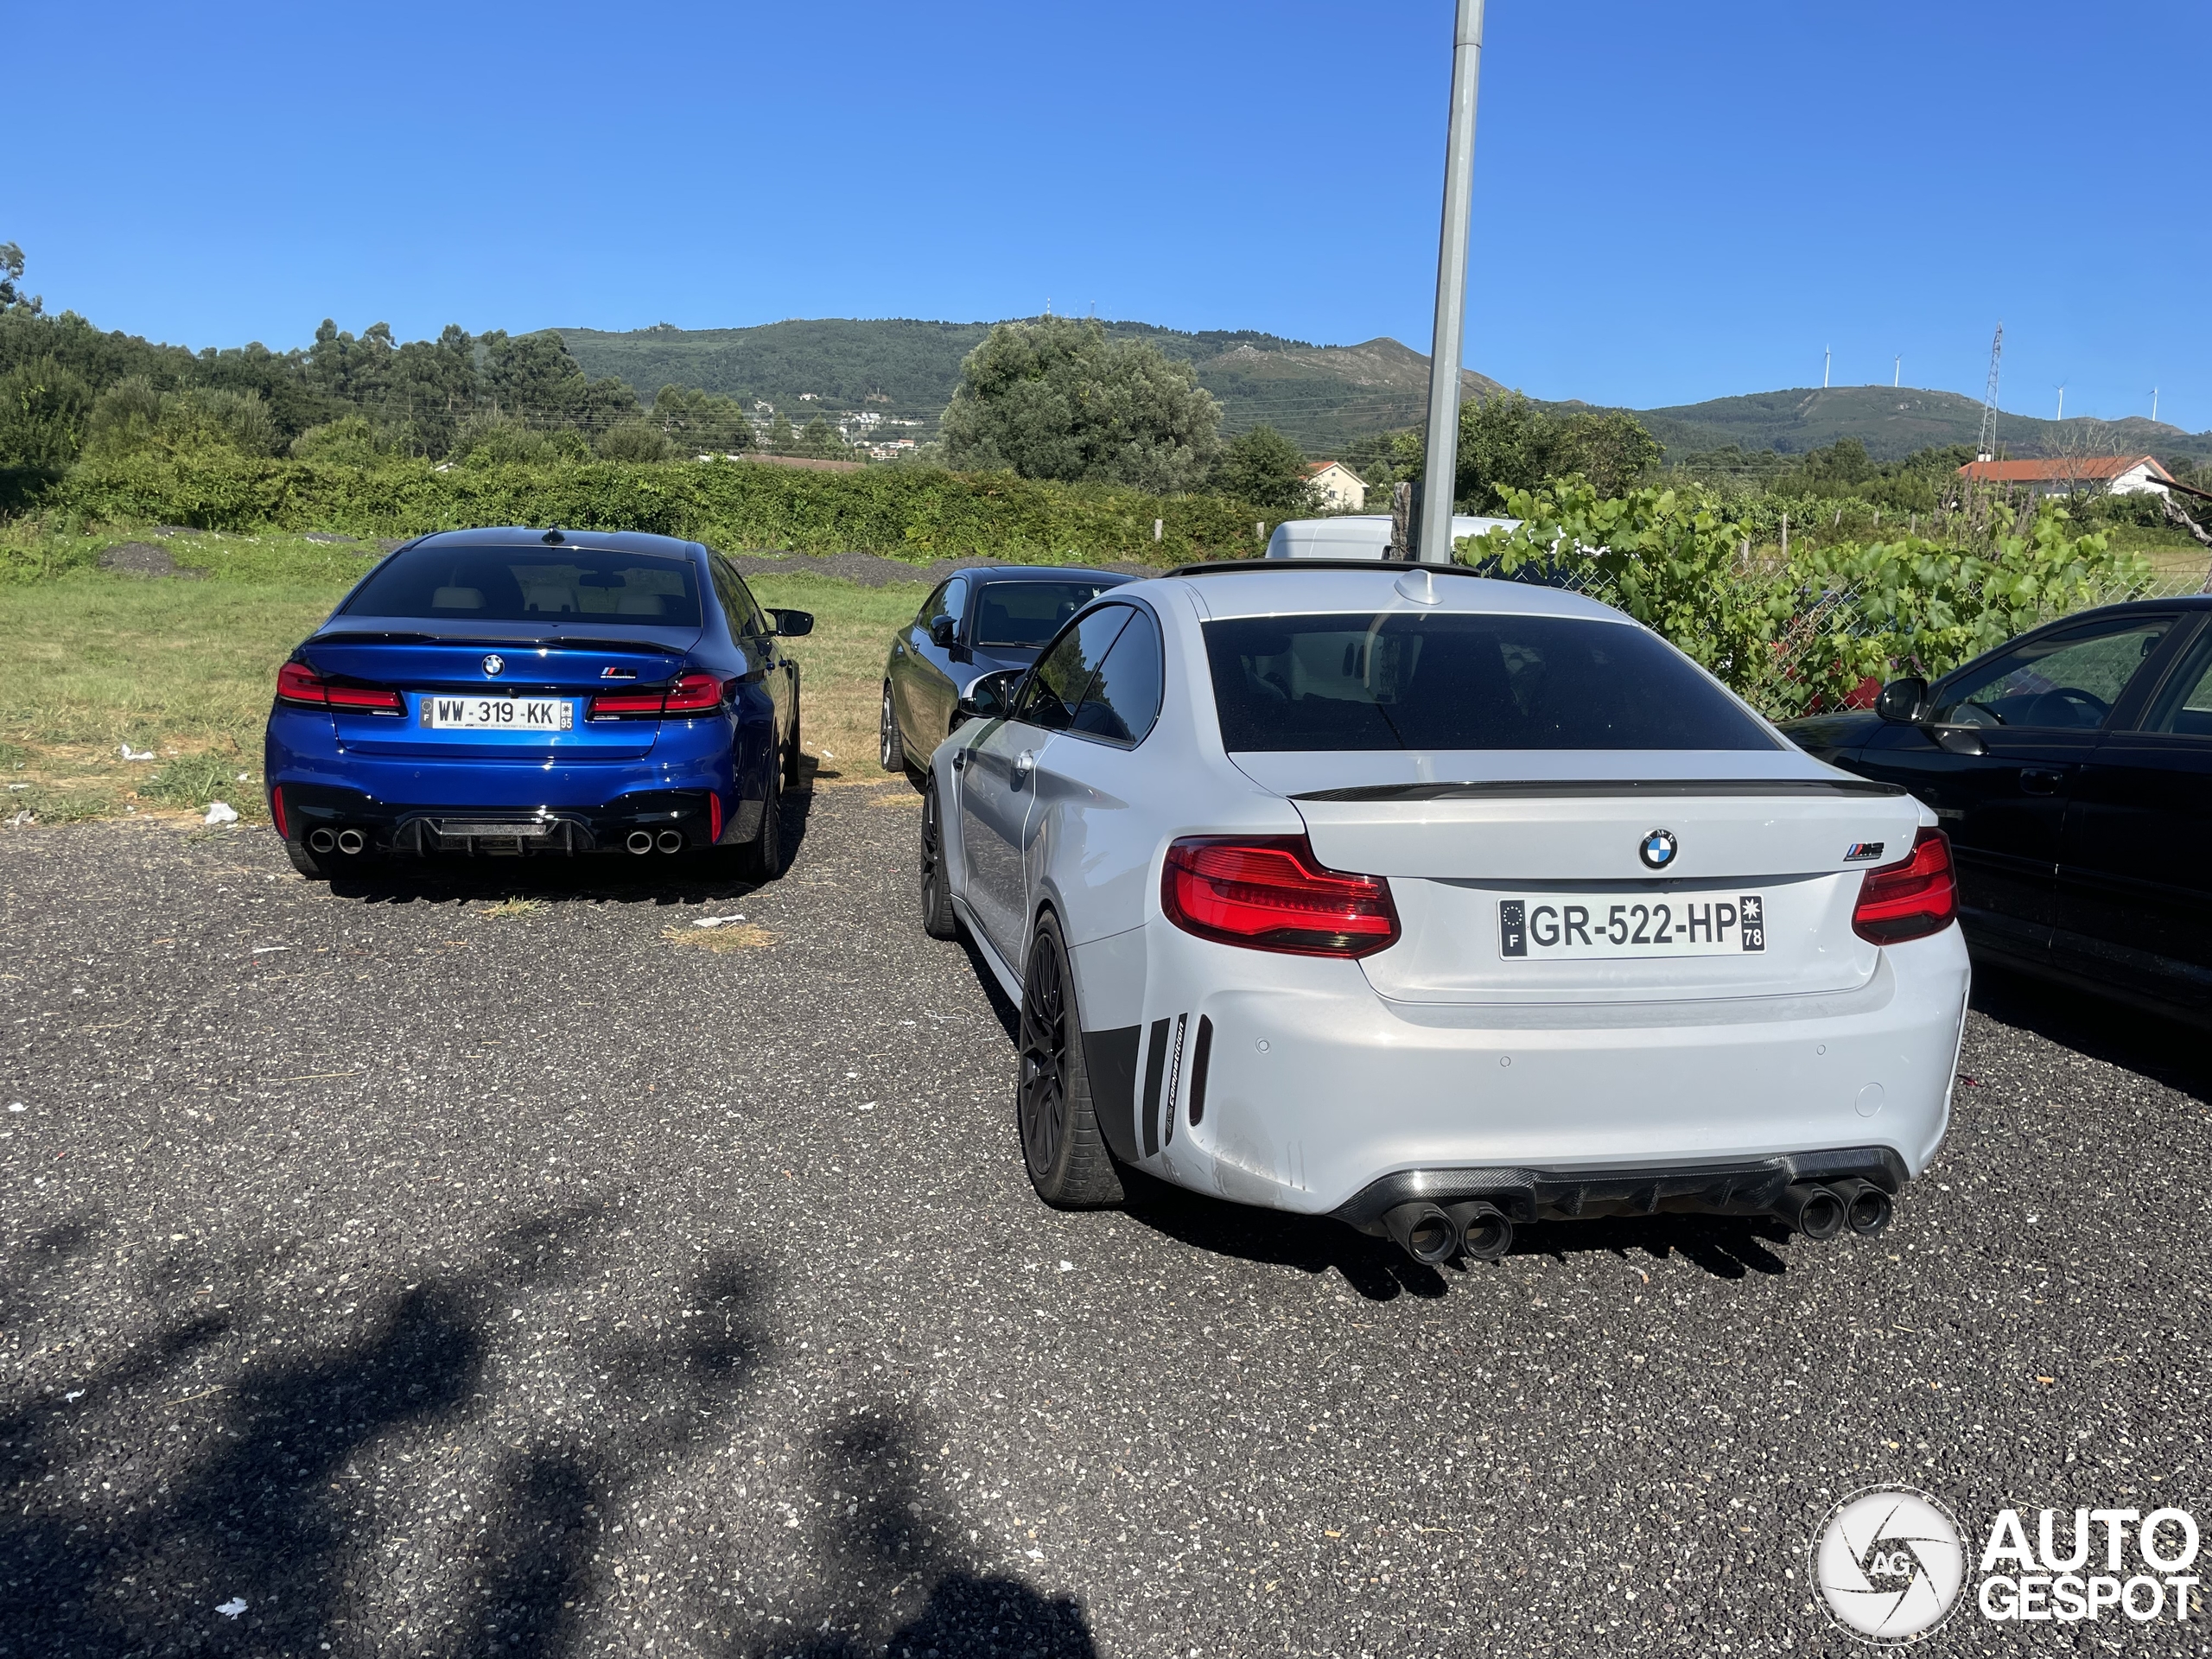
x=489 y=692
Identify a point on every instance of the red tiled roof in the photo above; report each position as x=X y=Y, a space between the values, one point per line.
x=2077 y=469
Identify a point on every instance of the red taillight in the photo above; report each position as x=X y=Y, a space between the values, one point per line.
x=1911 y=899
x=298 y=684
x=1270 y=893
x=691 y=694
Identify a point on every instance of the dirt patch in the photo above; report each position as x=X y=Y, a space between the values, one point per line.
x=143 y=559
x=874 y=570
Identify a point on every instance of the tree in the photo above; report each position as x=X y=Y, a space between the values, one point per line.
x=1608 y=447
x=780 y=437
x=819 y=441
x=634 y=441
x=1505 y=443
x=43 y=410
x=1266 y=468
x=1057 y=400
x=532 y=376
x=353 y=370
x=11 y=273
x=699 y=422
x=433 y=388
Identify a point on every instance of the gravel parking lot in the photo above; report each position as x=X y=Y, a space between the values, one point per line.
x=482 y=1264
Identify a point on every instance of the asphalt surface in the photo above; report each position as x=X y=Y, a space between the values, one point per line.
x=434 y=1279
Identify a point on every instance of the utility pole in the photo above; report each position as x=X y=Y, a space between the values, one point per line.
x=1440 y=472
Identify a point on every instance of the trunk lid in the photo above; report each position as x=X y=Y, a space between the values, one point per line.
x=1460 y=835
x=570 y=668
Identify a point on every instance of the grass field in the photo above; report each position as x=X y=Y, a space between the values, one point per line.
x=181 y=667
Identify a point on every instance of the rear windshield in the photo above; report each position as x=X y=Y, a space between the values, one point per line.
x=1455 y=682
x=1029 y=613
x=515 y=584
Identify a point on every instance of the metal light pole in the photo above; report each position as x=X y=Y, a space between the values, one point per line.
x=1439 y=475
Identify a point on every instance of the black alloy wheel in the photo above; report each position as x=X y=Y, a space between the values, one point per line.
x=938 y=920
x=890 y=748
x=1067 y=1157
x=762 y=858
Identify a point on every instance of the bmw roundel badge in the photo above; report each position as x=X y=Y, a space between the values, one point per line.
x=494 y=663
x=1657 y=850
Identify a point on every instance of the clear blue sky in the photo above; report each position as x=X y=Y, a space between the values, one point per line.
x=1673 y=202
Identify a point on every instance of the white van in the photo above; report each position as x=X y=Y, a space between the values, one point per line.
x=1357 y=536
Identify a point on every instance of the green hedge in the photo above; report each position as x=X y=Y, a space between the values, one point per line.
x=902 y=512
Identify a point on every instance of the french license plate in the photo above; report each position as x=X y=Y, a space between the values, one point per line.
x=1559 y=928
x=500 y=713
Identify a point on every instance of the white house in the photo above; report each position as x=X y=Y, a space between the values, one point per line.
x=1337 y=486
x=2113 y=474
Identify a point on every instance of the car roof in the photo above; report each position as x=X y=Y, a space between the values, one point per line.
x=599 y=540
x=1288 y=587
x=1043 y=573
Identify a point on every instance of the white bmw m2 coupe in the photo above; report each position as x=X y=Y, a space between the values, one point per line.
x=1442 y=906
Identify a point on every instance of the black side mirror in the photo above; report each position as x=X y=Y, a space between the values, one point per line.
x=942 y=630
x=1902 y=701
x=990 y=697
x=791 y=625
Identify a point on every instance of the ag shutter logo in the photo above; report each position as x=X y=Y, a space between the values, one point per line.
x=1657 y=848
x=1889 y=1564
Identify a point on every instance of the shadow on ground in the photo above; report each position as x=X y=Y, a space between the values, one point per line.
x=2174 y=1054
x=185 y=1468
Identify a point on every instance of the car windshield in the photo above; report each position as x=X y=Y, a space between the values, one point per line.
x=515 y=584
x=1396 y=681
x=1028 y=613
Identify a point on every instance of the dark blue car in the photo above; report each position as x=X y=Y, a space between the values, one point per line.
x=978 y=622
x=520 y=691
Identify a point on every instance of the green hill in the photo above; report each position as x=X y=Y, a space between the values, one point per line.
x=1322 y=396
x=1892 y=422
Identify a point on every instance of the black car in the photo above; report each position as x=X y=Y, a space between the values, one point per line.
x=2073 y=770
x=974 y=623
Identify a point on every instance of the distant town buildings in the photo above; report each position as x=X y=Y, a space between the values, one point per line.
x=1338 y=486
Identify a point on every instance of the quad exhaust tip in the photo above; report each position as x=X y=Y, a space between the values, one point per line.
x=1423 y=1232
x=1817 y=1211
x=321 y=841
x=1486 y=1231
x=1867 y=1210
x=640 y=841
x=351 y=841
x=671 y=841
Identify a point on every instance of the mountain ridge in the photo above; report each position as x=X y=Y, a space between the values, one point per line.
x=1323 y=397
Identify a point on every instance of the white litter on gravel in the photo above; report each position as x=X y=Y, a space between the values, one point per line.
x=220 y=813
x=232 y=1608
x=716 y=921
x=129 y=753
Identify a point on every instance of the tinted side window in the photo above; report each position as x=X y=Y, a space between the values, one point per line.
x=2186 y=708
x=932 y=605
x=954 y=602
x=2066 y=682
x=1124 y=697
x=1055 y=686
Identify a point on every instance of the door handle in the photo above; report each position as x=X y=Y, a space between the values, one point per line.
x=2041 y=781
x=1024 y=763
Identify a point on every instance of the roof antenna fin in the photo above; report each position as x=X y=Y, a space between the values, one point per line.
x=1419 y=585
x=553 y=537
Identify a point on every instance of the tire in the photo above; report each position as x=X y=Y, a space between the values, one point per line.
x=890 y=748
x=938 y=920
x=305 y=862
x=762 y=858
x=791 y=750
x=1067 y=1157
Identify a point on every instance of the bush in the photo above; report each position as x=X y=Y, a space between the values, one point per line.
x=903 y=511
x=1799 y=636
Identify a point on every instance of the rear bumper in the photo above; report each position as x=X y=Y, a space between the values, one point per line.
x=392 y=827
x=1319 y=1094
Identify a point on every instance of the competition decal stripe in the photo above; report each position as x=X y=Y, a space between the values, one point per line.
x=1110 y=1057
x=1175 y=1078
x=1155 y=1063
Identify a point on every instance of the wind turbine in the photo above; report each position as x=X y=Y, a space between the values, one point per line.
x=1897 y=371
x=2154 y=404
x=1827 y=356
x=2062 y=400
